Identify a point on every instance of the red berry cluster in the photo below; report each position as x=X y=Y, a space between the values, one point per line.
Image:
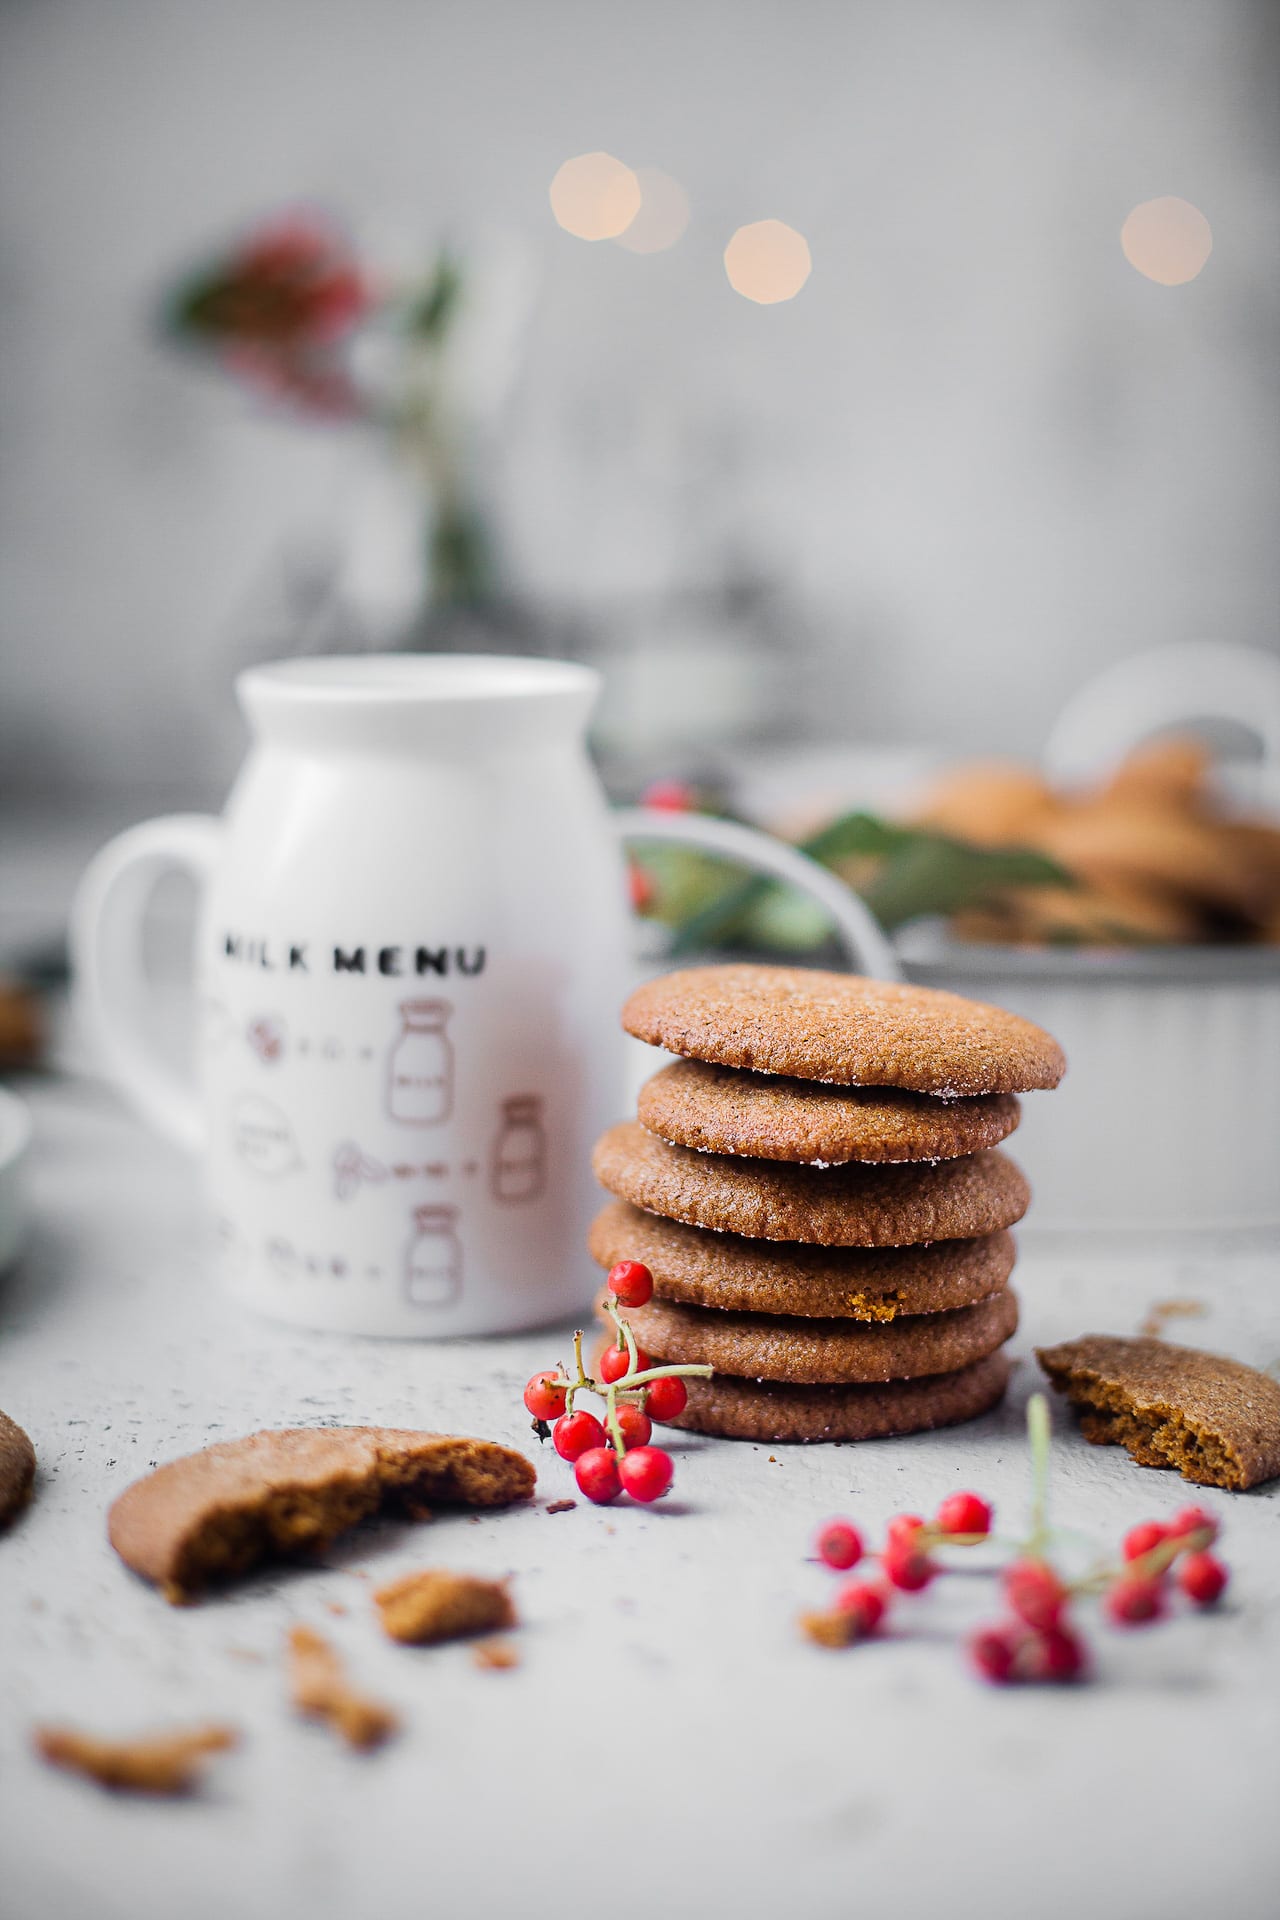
x=613 y=1456
x=1038 y=1641
x=907 y=1564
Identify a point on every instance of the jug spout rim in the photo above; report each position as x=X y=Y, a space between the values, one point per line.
x=334 y=695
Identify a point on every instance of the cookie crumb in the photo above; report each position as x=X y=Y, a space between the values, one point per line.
x=320 y=1689
x=156 y=1763
x=833 y=1629
x=495 y=1656
x=1164 y=1310
x=562 y=1506
x=422 y=1609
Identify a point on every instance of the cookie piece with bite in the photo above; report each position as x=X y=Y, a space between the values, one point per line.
x=215 y=1514
x=1213 y=1420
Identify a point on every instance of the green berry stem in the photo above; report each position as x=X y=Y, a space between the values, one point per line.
x=611 y=1420
x=630 y=1381
x=1149 y=1565
x=630 y=1385
x=1039 y=1436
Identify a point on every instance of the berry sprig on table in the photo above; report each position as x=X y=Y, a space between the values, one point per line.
x=614 y=1456
x=1038 y=1641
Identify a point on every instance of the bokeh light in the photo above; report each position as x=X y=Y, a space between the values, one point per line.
x=1168 y=240
x=595 y=197
x=767 y=261
x=663 y=215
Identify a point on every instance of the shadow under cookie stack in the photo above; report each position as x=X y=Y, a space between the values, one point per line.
x=817 y=1188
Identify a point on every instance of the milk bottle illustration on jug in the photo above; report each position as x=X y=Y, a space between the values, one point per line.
x=520 y=1151
x=420 y=1069
x=433 y=1267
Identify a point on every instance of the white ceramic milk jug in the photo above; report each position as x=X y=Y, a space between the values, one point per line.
x=410 y=956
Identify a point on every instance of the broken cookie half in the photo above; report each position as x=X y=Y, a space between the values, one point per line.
x=215 y=1514
x=1214 y=1420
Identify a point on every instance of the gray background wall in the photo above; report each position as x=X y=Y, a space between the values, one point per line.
x=980 y=453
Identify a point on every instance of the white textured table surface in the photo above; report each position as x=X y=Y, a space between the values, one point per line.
x=668 y=1745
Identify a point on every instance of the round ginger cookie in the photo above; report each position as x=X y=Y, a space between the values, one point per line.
x=759 y=1410
x=729 y=1110
x=17 y=1469
x=823 y=1353
x=850 y=1206
x=722 y=1270
x=845 y=1029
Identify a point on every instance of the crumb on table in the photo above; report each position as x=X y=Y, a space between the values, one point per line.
x=320 y=1689
x=421 y=1609
x=495 y=1655
x=158 y=1763
x=834 y=1629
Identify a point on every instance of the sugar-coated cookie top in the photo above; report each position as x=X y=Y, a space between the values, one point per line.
x=844 y=1029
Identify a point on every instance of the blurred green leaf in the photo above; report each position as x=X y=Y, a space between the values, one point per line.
x=432 y=315
x=918 y=873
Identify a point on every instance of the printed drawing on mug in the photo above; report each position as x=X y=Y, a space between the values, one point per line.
x=268 y=1037
x=353 y=1169
x=519 y=1170
x=262 y=1137
x=420 y=1065
x=433 y=1263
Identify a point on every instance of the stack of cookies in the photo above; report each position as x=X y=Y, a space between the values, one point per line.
x=817 y=1188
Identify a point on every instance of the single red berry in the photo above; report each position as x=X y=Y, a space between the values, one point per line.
x=1142 y=1538
x=544 y=1399
x=840 y=1545
x=635 y=1424
x=616 y=1361
x=666 y=1399
x=1194 y=1520
x=1132 y=1601
x=670 y=796
x=964 y=1513
x=865 y=1601
x=1056 y=1654
x=903 y=1528
x=646 y=1473
x=1203 y=1578
x=640 y=886
x=596 y=1473
x=631 y=1283
x=994 y=1650
x=1035 y=1592
x=906 y=1566
x=576 y=1433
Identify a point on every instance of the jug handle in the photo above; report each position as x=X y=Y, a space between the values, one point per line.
x=111 y=987
x=868 y=947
